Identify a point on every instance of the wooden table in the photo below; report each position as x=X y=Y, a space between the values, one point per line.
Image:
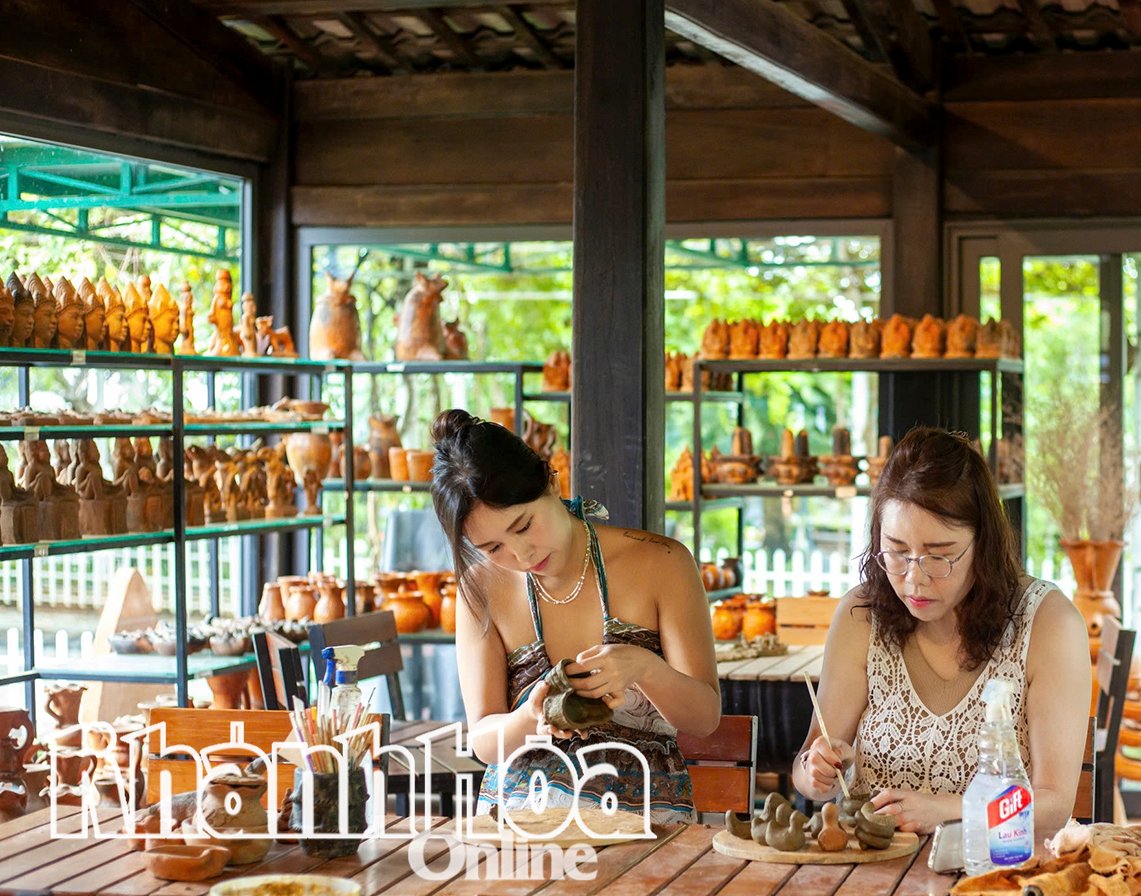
x=681 y=862
x=446 y=765
x=772 y=688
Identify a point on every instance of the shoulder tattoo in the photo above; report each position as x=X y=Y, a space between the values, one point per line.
x=647 y=538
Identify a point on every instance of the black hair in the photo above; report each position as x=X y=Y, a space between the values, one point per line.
x=944 y=474
x=479 y=462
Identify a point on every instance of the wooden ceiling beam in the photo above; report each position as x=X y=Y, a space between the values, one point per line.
x=246 y=8
x=280 y=31
x=871 y=34
x=772 y=42
x=531 y=38
x=451 y=40
x=893 y=31
x=384 y=48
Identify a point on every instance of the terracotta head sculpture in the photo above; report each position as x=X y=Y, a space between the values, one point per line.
x=116 y=315
x=23 y=314
x=69 y=315
x=7 y=315
x=45 y=317
x=94 y=315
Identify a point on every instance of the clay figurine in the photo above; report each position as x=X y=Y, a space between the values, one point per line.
x=70 y=313
x=253 y=487
x=997 y=339
x=673 y=372
x=864 y=339
x=930 y=338
x=774 y=340
x=794 y=465
x=164 y=320
x=277 y=342
x=118 y=337
x=186 y=322
x=7 y=315
x=895 y=341
x=138 y=320
x=280 y=484
x=876 y=464
x=247 y=326
x=224 y=341
x=833 y=340
x=19 y=522
x=383 y=434
x=14 y=751
x=744 y=339
x=63 y=462
x=226 y=478
x=803 y=338
x=715 y=340
x=561 y=466
x=335 y=328
x=94 y=316
x=46 y=313
x=681 y=477
x=58 y=507
x=839 y=467
x=23 y=313
x=557 y=372
x=102 y=506
x=455 y=341
x=540 y=436
x=419 y=334
x=961 y=334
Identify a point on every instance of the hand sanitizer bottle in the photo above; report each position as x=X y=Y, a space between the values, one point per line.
x=998 y=811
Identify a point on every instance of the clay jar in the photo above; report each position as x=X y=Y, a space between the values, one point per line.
x=332 y=603
x=301 y=601
x=71 y=765
x=410 y=611
x=398 y=464
x=365 y=597
x=448 y=611
x=308 y=451
x=272 y=607
x=725 y=623
x=419 y=464
x=429 y=585
x=760 y=619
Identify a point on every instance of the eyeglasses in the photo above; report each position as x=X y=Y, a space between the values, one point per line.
x=934 y=566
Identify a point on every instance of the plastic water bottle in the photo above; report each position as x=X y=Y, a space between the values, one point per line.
x=998 y=805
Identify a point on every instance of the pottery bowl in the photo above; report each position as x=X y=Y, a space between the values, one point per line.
x=243 y=849
x=287 y=885
x=186 y=863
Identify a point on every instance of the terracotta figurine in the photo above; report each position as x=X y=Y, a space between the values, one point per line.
x=117 y=338
x=419 y=333
x=455 y=341
x=744 y=339
x=803 y=338
x=223 y=342
x=44 y=323
x=280 y=483
x=94 y=316
x=930 y=338
x=895 y=341
x=715 y=340
x=961 y=334
x=70 y=313
x=164 y=320
x=864 y=339
x=247 y=326
x=335 y=328
x=102 y=506
x=58 y=507
x=277 y=342
x=186 y=324
x=18 y=518
x=774 y=340
x=23 y=313
x=833 y=340
x=7 y=315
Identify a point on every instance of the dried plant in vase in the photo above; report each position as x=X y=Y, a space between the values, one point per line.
x=1087 y=481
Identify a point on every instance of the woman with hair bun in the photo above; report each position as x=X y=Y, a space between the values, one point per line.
x=943 y=605
x=539 y=582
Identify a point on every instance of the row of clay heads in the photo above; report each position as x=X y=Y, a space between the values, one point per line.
x=36 y=312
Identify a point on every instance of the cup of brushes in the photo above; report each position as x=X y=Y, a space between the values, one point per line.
x=336 y=746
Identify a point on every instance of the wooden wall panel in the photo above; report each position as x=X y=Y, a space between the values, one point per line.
x=1054 y=158
x=468 y=150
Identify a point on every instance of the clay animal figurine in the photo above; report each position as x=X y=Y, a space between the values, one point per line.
x=94 y=316
x=186 y=322
x=540 y=436
x=681 y=477
x=224 y=341
x=277 y=342
x=803 y=338
x=247 y=326
x=138 y=320
x=419 y=334
x=455 y=341
x=118 y=337
x=164 y=314
x=7 y=315
x=69 y=316
x=335 y=328
x=557 y=372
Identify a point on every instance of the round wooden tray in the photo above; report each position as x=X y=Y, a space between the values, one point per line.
x=621 y=827
x=903 y=844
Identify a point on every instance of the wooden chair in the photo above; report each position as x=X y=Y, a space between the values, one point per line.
x=1083 y=810
x=376 y=632
x=202 y=728
x=279 y=670
x=723 y=765
x=1113 y=660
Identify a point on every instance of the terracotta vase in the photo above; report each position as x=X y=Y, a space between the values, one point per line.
x=383 y=434
x=308 y=451
x=429 y=585
x=332 y=603
x=301 y=602
x=410 y=611
x=365 y=597
x=725 y=623
x=760 y=619
x=272 y=607
x=1094 y=562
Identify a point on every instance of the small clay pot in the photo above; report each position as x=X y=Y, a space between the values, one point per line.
x=186 y=863
x=398 y=464
x=419 y=464
x=410 y=611
x=760 y=619
x=448 y=612
x=301 y=602
x=272 y=607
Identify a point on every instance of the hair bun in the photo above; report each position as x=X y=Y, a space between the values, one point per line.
x=452 y=424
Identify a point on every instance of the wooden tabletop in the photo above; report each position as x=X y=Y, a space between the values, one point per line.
x=680 y=861
x=789 y=666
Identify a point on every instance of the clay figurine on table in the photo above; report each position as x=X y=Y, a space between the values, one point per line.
x=46 y=313
x=23 y=313
x=63 y=462
x=186 y=324
x=145 y=454
x=58 y=506
x=138 y=320
x=102 y=506
x=70 y=313
x=116 y=337
x=94 y=316
x=7 y=315
x=223 y=341
x=18 y=518
x=164 y=320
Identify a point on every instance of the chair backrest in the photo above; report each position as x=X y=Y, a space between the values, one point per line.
x=1113 y=662
x=279 y=670
x=723 y=765
x=202 y=728
x=376 y=632
x=1084 y=801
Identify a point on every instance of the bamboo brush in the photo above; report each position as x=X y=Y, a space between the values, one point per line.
x=824 y=731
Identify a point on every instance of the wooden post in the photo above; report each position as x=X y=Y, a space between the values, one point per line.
x=618 y=424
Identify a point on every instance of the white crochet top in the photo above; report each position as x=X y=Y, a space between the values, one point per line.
x=900 y=743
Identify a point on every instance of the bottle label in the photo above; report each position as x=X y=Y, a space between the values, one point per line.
x=1010 y=831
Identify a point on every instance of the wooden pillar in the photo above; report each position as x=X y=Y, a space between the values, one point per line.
x=618 y=345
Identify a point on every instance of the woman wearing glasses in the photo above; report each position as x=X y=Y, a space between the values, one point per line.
x=942 y=607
